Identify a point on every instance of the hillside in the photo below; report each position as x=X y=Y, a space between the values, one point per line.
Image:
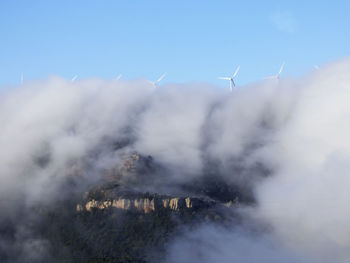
x=117 y=220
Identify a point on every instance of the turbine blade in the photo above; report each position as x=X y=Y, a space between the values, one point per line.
x=74 y=78
x=119 y=76
x=161 y=77
x=227 y=78
x=281 y=68
x=236 y=72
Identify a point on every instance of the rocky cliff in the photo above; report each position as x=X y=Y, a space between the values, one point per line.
x=115 y=191
x=149 y=204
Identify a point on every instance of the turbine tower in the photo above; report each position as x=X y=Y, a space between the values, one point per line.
x=277 y=76
x=155 y=83
x=22 y=79
x=74 y=78
x=231 y=79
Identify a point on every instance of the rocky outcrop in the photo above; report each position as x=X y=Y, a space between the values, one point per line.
x=131 y=165
x=147 y=205
x=125 y=185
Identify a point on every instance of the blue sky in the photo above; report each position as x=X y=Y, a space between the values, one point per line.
x=191 y=40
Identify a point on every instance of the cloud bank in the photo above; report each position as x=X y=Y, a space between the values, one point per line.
x=297 y=129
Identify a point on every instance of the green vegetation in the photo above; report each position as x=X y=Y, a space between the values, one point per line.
x=107 y=235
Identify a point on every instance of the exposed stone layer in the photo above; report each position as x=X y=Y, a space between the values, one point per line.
x=146 y=205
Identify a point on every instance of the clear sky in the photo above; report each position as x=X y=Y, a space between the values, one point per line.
x=191 y=40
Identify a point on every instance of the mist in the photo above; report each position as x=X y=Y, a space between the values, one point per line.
x=213 y=243
x=285 y=141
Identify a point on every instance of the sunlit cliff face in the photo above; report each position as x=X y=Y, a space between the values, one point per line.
x=284 y=140
x=145 y=204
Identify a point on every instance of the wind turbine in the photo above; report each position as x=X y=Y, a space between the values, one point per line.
x=155 y=83
x=74 y=78
x=277 y=76
x=231 y=79
x=22 y=79
x=119 y=77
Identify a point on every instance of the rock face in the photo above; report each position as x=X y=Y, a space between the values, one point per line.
x=117 y=190
x=131 y=165
x=147 y=204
